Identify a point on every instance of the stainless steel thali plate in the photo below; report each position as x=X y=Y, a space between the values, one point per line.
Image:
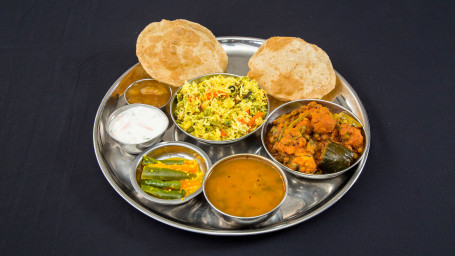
x=306 y=198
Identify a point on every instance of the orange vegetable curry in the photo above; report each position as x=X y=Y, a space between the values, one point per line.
x=299 y=140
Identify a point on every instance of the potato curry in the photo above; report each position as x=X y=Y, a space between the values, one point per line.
x=313 y=140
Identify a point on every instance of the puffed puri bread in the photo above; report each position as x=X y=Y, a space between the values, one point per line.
x=175 y=51
x=289 y=68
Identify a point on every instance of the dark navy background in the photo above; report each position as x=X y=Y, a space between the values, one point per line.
x=59 y=58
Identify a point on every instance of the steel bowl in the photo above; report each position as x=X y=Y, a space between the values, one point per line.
x=289 y=107
x=198 y=80
x=245 y=221
x=166 y=150
x=136 y=148
x=144 y=80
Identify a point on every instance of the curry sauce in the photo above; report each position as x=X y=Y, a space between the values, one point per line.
x=150 y=92
x=245 y=187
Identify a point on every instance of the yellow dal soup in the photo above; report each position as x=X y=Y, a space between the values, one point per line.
x=245 y=187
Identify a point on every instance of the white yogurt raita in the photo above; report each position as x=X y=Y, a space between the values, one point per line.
x=138 y=124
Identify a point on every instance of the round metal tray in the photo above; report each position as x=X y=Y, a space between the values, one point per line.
x=306 y=198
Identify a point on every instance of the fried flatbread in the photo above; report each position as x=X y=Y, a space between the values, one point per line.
x=289 y=68
x=174 y=51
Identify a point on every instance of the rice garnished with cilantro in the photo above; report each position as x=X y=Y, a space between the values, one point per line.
x=220 y=107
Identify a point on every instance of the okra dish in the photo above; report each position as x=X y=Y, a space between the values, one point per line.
x=172 y=178
x=313 y=140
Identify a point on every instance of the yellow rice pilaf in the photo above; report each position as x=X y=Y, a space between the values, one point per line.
x=221 y=107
